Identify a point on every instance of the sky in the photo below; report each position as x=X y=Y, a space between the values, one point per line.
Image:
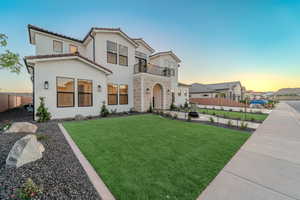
x=254 y=41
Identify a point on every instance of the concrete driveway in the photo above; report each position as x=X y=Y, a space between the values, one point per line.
x=267 y=167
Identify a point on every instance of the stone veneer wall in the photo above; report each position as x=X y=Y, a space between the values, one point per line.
x=142 y=99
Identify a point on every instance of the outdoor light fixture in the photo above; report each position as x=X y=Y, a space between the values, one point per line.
x=168 y=91
x=99 y=88
x=46 y=85
x=147 y=90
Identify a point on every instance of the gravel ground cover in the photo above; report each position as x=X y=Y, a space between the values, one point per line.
x=58 y=173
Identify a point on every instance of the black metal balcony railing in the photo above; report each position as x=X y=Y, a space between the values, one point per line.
x=153 y=69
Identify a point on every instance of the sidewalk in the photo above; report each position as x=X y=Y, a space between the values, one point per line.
x=267 y=167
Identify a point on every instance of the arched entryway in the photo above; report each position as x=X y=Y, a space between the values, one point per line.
x=157 y=99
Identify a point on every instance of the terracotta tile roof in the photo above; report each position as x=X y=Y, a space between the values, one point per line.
x=145 y=43
x=66 y=55
x=52 y=33
x=75 y=39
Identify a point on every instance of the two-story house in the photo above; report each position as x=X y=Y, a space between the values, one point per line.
x=75 y=76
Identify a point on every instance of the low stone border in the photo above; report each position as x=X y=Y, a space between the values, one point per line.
x=99 y=185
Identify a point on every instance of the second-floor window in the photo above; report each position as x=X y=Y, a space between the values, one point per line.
x=112 y=56
x=73 y=48
x=57 y=46
x=123 y=55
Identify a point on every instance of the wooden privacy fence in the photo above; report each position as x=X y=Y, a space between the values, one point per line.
x=216 y=102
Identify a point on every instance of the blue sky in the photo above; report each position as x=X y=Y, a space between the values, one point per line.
x=256 y=42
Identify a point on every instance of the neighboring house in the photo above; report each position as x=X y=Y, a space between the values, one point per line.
x=287 y=94
x=252 y=95
x=76 y=76
x=229 y=90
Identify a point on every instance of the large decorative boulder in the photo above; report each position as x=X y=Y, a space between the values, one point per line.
x=25 y=150
x=25 y=127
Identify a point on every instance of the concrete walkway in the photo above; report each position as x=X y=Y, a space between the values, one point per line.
x=267 y=167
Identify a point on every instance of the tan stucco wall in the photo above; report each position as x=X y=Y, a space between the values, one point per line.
x=142 y=98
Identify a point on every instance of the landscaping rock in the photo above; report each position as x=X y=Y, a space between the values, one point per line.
x=25 y=150
x=79 y=117
x=25 y=127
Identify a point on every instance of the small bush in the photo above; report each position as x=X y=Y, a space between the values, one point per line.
x=213 y=108
x=173 y=107
x=241 y=110
x=252 y=119
x=42 y=112
x=211 y=119
x=244 y=125
x=41 y=136
x=29 y=190
x=229 y=123
x=186 y=105
x=150 y=110
x=104 y=111
x=230 y=110
x=6 y=126
x=189 y=118
x=214 y=113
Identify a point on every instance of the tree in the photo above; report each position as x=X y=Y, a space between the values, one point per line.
x=42 y=112
x=8 y=59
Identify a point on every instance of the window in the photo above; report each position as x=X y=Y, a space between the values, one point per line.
x=73 y=48
x=111 y=52
x=123 y=94
x=85 y=93
x=65 y=92
x=123 y=55
x=112 y=94
x=57 y=46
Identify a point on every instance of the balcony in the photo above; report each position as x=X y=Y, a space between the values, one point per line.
x=153 y=69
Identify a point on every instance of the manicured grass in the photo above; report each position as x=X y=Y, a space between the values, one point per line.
x=231 y=114
x=148 y=157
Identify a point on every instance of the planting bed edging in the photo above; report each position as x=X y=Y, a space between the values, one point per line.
x=97 y=182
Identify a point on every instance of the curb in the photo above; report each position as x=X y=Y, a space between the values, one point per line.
x=97 y=182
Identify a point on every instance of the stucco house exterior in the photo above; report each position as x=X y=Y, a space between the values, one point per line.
x=228 y=90
x=75 y=76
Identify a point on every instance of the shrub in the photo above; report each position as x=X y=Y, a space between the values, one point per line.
x=213 y=108
x=213 y=113
x=29 y=190
x=150 y=108
x=173 y=107
x=186 y=105
x=252 y=119
x=168 y=115
x=229 y=123
x=6 y=126
x=211 y=119
x=241 y=110
x=244 y=125
x=189 y=118
x=104 y=111
x=41 y=136
x=42 y=112
x=230 y=110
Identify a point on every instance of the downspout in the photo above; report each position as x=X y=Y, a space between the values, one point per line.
x=93 y=46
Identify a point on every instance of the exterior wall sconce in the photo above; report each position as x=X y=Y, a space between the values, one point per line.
x=147 y=90
x=46 y=85
x=99 y=88
x=168 y=91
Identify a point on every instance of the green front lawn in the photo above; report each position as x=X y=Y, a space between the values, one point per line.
x=235 y=115
x=148 y=157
